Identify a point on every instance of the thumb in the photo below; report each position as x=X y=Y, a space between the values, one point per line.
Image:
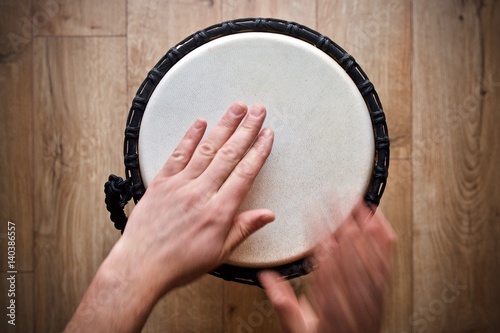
x=285 y=303
x=245 y=224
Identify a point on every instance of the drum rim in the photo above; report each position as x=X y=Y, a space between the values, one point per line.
x=346 y=61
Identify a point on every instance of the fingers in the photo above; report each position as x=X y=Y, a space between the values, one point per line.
x=376 y=272
x=348 y=229
x=206 y=151
x=330 y=292
x=362 y=213
x=246 y=224
x=354 y=272
x=184 y=151
x=237 y=185
x=230 y=154
x=354 y=222
x=366 y=296
x=373 y=238
x=378 y=242
x=284 y=301
x=382 y=232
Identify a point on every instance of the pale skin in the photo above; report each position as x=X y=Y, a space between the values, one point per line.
x=196 y=196
x=347 y=290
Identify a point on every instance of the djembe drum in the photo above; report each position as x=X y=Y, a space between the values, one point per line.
x=330 y=131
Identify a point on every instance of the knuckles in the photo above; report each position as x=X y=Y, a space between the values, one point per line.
x=179 y=156
x=262 y=148
x=229 y=152
x=245 y=170
x=207 y=149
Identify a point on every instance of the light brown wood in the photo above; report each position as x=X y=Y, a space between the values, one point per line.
x=301 y=11
x=16 y=163
x=378 y=35
x=397 y=206
x=485 y=200
x=66 y=94
x=79 y=89
x=197 y=307
x=16 y=134
x=81 y=18
x=247 y=309
x=154 y=26
x=455 y=157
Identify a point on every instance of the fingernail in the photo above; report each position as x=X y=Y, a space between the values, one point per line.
x=257 y=110
x=199 y=123
x=238 y=110
x=266 y=218
x=266 y=132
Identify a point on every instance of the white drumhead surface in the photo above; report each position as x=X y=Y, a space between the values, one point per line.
x=323 y=153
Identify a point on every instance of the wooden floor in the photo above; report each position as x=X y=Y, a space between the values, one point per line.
x=69 y=70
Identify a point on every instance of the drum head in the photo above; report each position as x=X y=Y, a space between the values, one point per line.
x=323 y=132
x=331 y=144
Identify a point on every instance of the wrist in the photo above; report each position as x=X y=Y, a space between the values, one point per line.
x=117 y=300
x=130 y=294
x=142 y=271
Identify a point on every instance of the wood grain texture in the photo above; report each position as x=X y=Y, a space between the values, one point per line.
x=455 y=157
x=16 y=163
x=65 y=101
x=301 y=11
x=16 y=133
x=485 y=200
x=168 y=22
x=154 y=27
x=197 y=307
x=247 y=309
x=80 y=18
x=397 y=206
x=378 y=35
x=79 y=89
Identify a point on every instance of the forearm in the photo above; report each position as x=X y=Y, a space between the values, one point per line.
x=119 y=299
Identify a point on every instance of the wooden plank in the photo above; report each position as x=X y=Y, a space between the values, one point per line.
x=16 y=145
x=485 y=248
x=79 y=89
x=199 y=306
x=79 y=18
x=455 y=157
x=16 y=133
x=247 y=309
x=196 y=307
x=167 y=24
x=303 y=12
x=24 y=299
x=396 y=204
x=378 y=35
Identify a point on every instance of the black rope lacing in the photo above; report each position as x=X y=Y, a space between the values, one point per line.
x=118 y=194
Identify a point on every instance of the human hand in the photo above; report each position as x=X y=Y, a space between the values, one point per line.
x=186 y=222
x=347 y=290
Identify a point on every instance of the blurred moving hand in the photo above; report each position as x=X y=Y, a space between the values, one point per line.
x=348 y=289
